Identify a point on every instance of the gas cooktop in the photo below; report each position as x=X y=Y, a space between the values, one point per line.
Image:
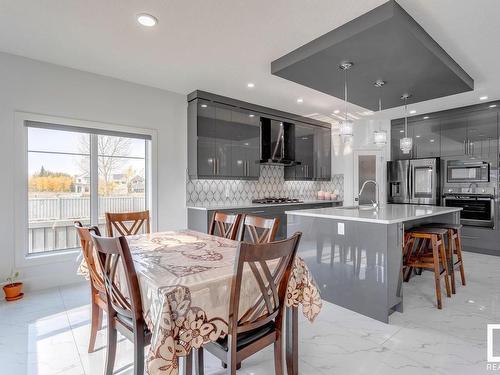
x=276 y=200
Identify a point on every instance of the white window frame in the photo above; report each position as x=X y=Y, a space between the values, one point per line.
x=22 y=257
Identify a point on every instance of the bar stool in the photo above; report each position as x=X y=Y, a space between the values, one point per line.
x=454 y=247
x=417 y=256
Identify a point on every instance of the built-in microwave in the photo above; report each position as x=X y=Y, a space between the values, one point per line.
x=467 y=171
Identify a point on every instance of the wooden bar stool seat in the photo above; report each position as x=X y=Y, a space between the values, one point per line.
x=454 y=247
x=417 y=256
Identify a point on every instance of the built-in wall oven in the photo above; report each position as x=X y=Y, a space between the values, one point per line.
x=477 y=209
x=466 y=171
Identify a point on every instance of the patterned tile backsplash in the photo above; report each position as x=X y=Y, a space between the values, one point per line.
x=270 y=184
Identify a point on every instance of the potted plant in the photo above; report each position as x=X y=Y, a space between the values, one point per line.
x=13 y=290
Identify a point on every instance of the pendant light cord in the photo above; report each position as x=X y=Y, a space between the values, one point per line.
x=406 y=117
x=345 y=93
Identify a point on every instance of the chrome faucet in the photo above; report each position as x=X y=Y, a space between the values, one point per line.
x=377 y=202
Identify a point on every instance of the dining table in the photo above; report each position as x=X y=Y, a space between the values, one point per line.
x=185 y=281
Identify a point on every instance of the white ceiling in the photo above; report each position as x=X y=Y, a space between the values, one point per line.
x=221 y=45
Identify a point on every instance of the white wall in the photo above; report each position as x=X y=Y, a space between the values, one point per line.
x=343 y=155
x=32 y=86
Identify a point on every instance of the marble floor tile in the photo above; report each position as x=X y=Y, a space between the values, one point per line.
x=47 y=333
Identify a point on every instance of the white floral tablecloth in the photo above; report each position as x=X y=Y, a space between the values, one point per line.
x=185 y=279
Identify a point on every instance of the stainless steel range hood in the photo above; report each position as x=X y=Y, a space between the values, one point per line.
x=277 y=142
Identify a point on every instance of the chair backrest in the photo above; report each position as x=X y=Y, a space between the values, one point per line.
x=113 y=252
x=127 y=223
x=272 y=282
x=95 y=273
x=225 y=225
x=258 y=229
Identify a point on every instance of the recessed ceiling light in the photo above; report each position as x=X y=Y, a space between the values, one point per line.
x=483 y=97
x=300 y=100
x=147 y=19
x=251 y=115
x=336 y=111
x=412 y=112
x=493 y=106
x=250 y=85
x=431 y=140
x=204 y=106
x=426 y=117
x=401 y=131
x=417 y=136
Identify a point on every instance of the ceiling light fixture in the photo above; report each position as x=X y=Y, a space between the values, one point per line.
x=250 y=85
x=346 y=131
x=379 y=136
x=300 y=100
x=412 y=112
x=204 y=106
x=426 y=117
x=336 y=112
x=251 y=115
x=147 y=20
x=483 y=98
x=406 y=143
x=493 y=106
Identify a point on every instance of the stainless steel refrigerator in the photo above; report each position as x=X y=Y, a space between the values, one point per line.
x=414 y=181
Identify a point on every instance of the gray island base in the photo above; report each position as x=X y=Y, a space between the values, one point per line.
x=355 y=255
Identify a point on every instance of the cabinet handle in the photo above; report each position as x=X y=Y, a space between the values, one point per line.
x=216 y=166
x=246 y=168
x=213 y=166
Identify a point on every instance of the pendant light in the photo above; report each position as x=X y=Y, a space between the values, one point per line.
x=346 y=132
x=379 y=136
x=406 y=143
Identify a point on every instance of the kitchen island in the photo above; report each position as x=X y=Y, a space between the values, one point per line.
x=355 y=254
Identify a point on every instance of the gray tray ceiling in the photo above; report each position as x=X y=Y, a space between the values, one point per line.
x=385 y=43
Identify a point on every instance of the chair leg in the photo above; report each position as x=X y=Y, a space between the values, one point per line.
x=111 y=352
x=435 y=257
x=188 y=364
x=444 y=261
x=94 y=325
x=224 y=365
x=278 y=357
x=451 y=262
x=458 y=249
x=139 y=350
x=231 y=356
x=199 y=362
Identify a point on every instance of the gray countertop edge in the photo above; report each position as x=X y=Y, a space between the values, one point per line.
x=258 y=205
x=318 y=214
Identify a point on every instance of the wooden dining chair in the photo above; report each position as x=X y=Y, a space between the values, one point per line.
x=127 y=223
x=261 y=325
x=258 y=229
x=97 y=290
x=125 y=313
x=225 y=225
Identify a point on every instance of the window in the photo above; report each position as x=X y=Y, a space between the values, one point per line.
x=79 y=174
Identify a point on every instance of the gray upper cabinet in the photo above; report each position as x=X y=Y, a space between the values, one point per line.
x=323 y=154
x=224 y=140
x=469 y=132
x=454 y=136
x=312 y=152
x=426 y=138
x=245 y=136
x=482 y=133
x=304 y=154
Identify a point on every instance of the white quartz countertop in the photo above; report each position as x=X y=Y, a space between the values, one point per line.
x=233 y=205
x=386 y=214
